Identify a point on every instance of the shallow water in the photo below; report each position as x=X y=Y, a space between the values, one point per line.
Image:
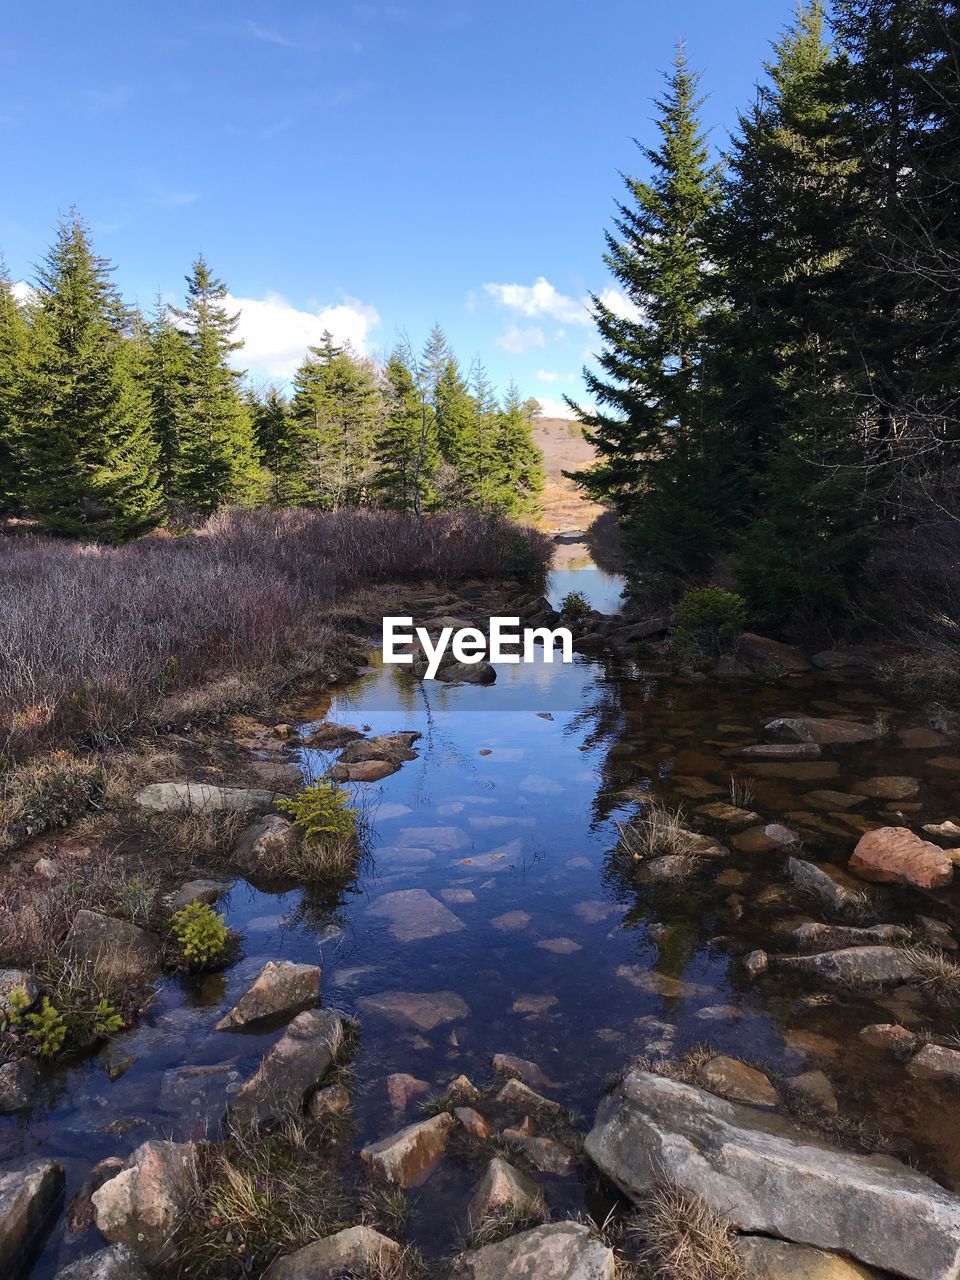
x=539 y=920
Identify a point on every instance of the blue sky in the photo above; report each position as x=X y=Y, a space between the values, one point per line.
x=368 y=166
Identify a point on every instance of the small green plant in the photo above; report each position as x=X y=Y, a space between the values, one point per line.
x=202 y=934
x=708 y=620
x=106 y=1020
x=575 y=605
x=18 y=1002
x=322 y=813
x=47 y=1029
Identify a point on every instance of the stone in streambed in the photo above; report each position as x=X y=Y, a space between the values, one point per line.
x=765 y=839
x=764 y=1259
x=813 y=936
x=409 y=1157
x=856 y=967
x=183 y=796
x=824 y=732
x=421 y=1010
x=833 y=888
x=290 y=1070
x=403 y=1088
x=783 y=751
x=894 y=854
x=815 y=1087
x=282 y=988
x=948 y=830
x=117 y=945
x=116 y=1263
x=507 y=1064
x=557 y=1251
x=505 y=1192
x=414 y=914
x=730 y=1078
x=18 y=1084
x=141 y=1205
x=30 y=1199
x=543 y=1153
x=934 y=1062
x=889 y=788
x=352 y=1252
x=264 y=845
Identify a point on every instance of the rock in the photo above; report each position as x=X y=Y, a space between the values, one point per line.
x=814 y=936
x=543 y=1153
x=894 y=854
x=765 y=839
x=918 y=737
x=265 y=845
x=290 y=1070
x=510 y=921
x=422 y=1010
x=281 y=988
x=832 y=888
x=363 y=771
x=197 y=891
x=756 y=963
x=557 y=1251
x=934 y=1062
x=559 y=946
x=889 y=788
x=824 y=732
x=763 y=654
x=473 y=1122
x=462 y=1089
x=467 y=673
x=116 y=945
x=783 y=751
x=669 y=868
x=505 y=1192
x=764 y=1259
x=815 y=1087
x=18 y=1084
x=174 y=796
x=660 y=984
x=795 y=770
x=403 y=1088
x=334 y=1100
x=890 y=1035
x=763 y=1175
x=395 y=748
x=17 y=980
x=353 y=1252
x=409 y=1157
x=141 y=1205
x=414 y=914
x=733 y=1079
x=856 y=967
x=30 y=1199
x=729 y=814
x=534 y=1005
x=46 y=868
x=937 y=932
x=948 y=830
x=516 y=1093
x=507 y=1064
x=116 y=1263
x=280 y=774
x=833 y=801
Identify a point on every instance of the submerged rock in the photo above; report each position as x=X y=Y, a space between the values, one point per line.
x=516 y=1093
x=815 y=1087
x=414 y=914
x=507 y=1064
x=18 y=1084
x=765 y=839
x=557 y=1251
x=934 y=1062
x=764 y=1175
x=409 y=1157
x=141 y=1205
x=197 y=891
x=504 y=1191
x=833 y=888
x=889 y=788
x=30 y=1199
x=783 y=751
x=403 y=1088
x=355 y=1251
x=543 y=1153
x=854 y=966
x=733 y=1079
x=814 y=936
x=473 y=1122
x=280 y=988
x=824 y=732
x=891 y=854
x=291 y=1070
x=422 y=1010
x=116 y=1263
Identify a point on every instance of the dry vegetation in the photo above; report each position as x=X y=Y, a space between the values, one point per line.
x=656 y=832
x=682 y=1238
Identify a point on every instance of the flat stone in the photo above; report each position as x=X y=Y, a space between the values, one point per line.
x=557 y=1251
x=559 y=946
x=290 y=1070
x=948 y=830
x=333 y=1100
x=815 y=1087
x=440 y=839
x=18 y=1084
x=403 y=1088
x=207 y=891
x=858 y=967
x=660 y=984
x=523 y=1069
x=814 y=936
x=363 y=771
x=511 y=921
x=281 y=989
x=894 y=854
x=140 y=1206
x=889 y=788
x=414 y=915
x=277 y=773
x=765 y=839
x=833 y=801
x=516 y=1093
x=173 y=796
x=30 y=1199
x=459 y=897
x=783 y=751
x=409 y=1157
x=473 y=1122
x=763 y=1175
x=265 y=845
x=117 y=945
x=462 y=1089
x=115 y=1263
x=728 y=814
x=543 y=1153
x=354 y=1251
x=917 y=737
x=196 y=1094
x=421 y=1010
x=505 y=1192
x=947 y=764
x=825 y=732
x=833 y=888
x=934 y=1062
x=795 y=770
x=765 y=1259
x=534 y=1004
x=670 y=868
x=733 y=1079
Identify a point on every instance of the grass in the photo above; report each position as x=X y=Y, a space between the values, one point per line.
x=742 y=792
x=501 y=1223
x=655 y=832
x=681 y=1237
x=936 y=976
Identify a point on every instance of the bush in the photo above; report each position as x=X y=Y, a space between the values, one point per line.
x=708 y=619
x=46 y=794
x=575 y=605
x=202 y=934
x=47 y=1029
x=322 y=813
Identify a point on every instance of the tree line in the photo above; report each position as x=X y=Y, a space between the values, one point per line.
x=112 y=423
x=783 y=399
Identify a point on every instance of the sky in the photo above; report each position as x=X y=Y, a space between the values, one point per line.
x=365 y=167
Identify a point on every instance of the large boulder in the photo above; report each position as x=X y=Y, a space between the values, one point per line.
x=764 y=1175
x=764 y=1259
x=265 y=845
x=505 y=1192
x=30 y=1199
x=835 y=890
x=177 y=797
x=141 y=1205
x=814 y=936
x=280 y=989
x=760 y=653
x=12 y=980
x=18 y=1084
x=409 y=1157
x=832 y=732
x=117 y=945
x=855 y=967
x=115 y=1263
x=355 y=1251
x=557 y=1251
x=206 y=891
x=894 y=854
x=291 y=1070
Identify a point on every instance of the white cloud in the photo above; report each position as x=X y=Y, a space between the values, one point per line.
x=521 y=341
x=555 y=408
x=23 y=292
x=266 y=34
x=540 y=299
x=620 y=304
x=276 y=335
x=551 y=375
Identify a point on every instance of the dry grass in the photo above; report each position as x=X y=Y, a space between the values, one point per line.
x=742 y=791
x=657 y=831
x=937 y=976
x=45 y=794
x=682 y=1238
x=500 y=1224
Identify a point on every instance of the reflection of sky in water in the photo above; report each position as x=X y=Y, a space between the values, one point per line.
x=603 y=590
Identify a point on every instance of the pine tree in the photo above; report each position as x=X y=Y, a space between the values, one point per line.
x=650 y=426
x=166 y=376
x=281 y=447
x=478 y=471
x=216 y=463
x=338 y=407
x=84 y=438
x=407 y=454
x=14 y=348
x=521 y=462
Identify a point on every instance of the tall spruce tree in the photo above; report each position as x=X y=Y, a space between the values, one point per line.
x=166 y=376
x=651 y=428
x=14 y=350
x=216 y=463
x=407 y=454
x=281 y=447
x=83 y=431
x=521 y=462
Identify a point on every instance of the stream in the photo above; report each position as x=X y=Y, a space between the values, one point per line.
x=534 y=937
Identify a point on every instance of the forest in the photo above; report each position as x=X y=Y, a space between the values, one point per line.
x=112 y=424
x=780 y=410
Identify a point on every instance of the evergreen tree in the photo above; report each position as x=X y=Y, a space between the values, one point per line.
x=14 y=348
x=478 y=472
x=454 y=410
x=521 y=462
x=407 y=454
x=166 y=377
x=338 y=408
x=651 y=427
x=216 y=463
x=84 y=438
x=281 y=447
